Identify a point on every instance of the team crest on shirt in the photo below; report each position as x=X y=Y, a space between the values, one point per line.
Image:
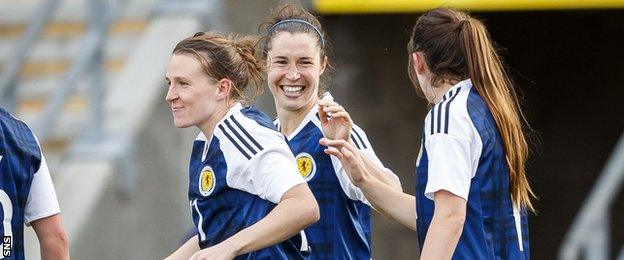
x=207 y=181
x=306 y=166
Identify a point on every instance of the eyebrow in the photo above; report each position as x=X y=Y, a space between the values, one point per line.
x=177 y=78
x=285 y=58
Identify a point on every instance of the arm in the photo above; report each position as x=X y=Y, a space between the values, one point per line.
x=296 y=210
x=185 y=251
x=338 y=126
x=446 y=226
x=388 y=201
x=52 y=237
x=382 y=174
x=42 y=213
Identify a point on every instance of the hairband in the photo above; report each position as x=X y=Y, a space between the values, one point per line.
x=302 y=22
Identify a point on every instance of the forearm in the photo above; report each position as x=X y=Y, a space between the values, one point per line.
x=381 y=174
x=442 y=238
x=52 y=237
x=390 y=202
x=57 y=248
x=289 y=217
x=185 y=251
x=446 y=226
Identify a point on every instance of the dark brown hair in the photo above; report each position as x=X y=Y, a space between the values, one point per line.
x=456 y=46
x=278 y=23
x=227 y=57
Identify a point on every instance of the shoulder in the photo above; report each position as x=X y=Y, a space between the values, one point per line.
x=23 y=139
x=248 y=133
x=258 y=116
x=451 y=116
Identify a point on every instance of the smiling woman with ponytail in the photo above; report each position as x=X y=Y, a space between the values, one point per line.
x=472 y=193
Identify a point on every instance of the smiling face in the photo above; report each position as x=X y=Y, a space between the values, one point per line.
x=294 y=69
x=193 y=95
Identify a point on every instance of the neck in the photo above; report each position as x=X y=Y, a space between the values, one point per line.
x=291 y=119
x=440 y=90
x=208 y=127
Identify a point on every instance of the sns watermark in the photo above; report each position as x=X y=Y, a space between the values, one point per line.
x=6 y=246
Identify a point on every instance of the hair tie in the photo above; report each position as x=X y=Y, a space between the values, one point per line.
x=318 y=32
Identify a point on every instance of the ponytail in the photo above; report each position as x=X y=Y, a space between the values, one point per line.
x=250 y=68
x=485 y=69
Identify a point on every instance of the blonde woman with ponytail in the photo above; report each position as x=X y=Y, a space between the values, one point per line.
x=472 y=194
x=246 y=197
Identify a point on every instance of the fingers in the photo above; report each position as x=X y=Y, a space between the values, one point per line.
x=333 y=143
x=326 y=103
x=323 y=116
x=339 y=144
x=347 y=154
x=329 y=108
x=333 y=151
x=343 y=114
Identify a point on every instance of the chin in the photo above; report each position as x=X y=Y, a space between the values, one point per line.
x=292 y=106
x=179 y=124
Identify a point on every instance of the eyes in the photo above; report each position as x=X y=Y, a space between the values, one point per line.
x=181 y=83
x=302 y=62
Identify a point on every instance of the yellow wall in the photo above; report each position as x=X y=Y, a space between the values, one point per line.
x=406 y=6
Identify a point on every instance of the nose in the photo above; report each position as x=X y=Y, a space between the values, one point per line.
x=293 y=73
x=171 y=94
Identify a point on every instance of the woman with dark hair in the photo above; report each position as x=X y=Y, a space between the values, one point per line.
x=472 y=193
x=295 y=49
x=245 y=194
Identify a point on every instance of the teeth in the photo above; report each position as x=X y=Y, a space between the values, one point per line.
x=292 y=89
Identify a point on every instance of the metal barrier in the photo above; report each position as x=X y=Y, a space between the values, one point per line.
x=17 y=56
x=90 y=57
x=590 y=232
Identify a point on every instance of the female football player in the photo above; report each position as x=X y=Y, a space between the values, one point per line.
x=245 y=194
x=472 y=193
x=295 y=50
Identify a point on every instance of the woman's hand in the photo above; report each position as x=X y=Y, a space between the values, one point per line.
x=335 y=121
x=350 y=158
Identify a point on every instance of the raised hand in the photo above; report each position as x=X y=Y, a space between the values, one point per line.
x=350 y=158
x=335 y=121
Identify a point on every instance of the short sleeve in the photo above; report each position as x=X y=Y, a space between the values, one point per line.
x=450 y=165
x=269 y=174
x=42 y=201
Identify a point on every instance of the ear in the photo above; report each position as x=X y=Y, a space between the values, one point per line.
x=419 y=62
x=323 y=64
x=224 y=89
